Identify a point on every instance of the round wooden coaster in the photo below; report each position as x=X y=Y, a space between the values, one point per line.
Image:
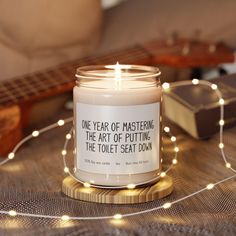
x=76 y=190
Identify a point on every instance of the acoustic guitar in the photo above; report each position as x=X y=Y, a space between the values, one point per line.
x=19 y=94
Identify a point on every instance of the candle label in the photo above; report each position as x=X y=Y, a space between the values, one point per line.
x=117 y=139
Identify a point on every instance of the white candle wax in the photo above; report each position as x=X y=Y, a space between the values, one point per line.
x=117 y=131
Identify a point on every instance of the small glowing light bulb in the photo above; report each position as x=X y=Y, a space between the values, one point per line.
x=176 y=149
x=228 y=165
x=166 y=205
x=221 y=122
x=87 y=185
x=66 y=169
x=117 y=216
x=222 y=101
x=174 y=161
x=61 y=122
x=195 y=81
x=167 y=129
x=165 y=86
x=11 y=155
x=131 y=186
x=35 y=133
x=65 y=217
x=68 y=136
x=12 y=213
x=163 y=174
x=214 y=86
x=63 y=152
x=173 y=138
x=210 y=186
x=221 y=145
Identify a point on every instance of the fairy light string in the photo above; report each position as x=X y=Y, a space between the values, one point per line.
x=118 y=216
x=221 y=101
x=129 y=186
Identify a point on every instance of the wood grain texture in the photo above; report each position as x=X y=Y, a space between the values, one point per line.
x=10 y=128
x=76 y=190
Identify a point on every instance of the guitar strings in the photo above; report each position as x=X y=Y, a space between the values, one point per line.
x=13 y=96
x=14 y=92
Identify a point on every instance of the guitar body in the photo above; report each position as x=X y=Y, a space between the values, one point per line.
x=10 y=128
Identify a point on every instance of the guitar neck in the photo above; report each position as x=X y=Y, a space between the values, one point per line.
x=180 y=53
x=60 y=79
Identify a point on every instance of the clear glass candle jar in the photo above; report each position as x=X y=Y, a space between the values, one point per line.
x=117 y=114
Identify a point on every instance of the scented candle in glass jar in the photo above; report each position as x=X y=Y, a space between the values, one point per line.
x=117 y=114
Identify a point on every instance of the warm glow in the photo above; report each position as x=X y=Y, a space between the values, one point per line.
x=176 y=149
x=228 y=165
x=35 y=133
x=163 y=174
x=222 y=101
x=11 y=155
x=167 y=205
x=173 y=138
x=165 y=86
x=12 y=213
x=221 y=122
x=210 y=186
x=214 y=86
x=117 y=216
x=66 y=169
x=87 y=185
x=63 y=152
x=131 y=186
x=117 y=71
x=125 y=67
x=117 y=219
x=195 y=81
x=221 y=145
x=174 y=161
x=167 y=129
x=61 y=122
x=65 y=217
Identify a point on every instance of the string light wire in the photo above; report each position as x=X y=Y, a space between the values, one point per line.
x=129 y=186
x=221 y=102
x=166 y=205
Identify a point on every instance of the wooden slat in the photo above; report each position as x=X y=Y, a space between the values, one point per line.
x=76 y=190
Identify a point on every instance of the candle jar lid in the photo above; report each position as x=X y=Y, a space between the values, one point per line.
x=118 y=76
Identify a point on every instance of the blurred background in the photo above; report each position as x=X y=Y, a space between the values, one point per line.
x=43 y=42
x=35 y=35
